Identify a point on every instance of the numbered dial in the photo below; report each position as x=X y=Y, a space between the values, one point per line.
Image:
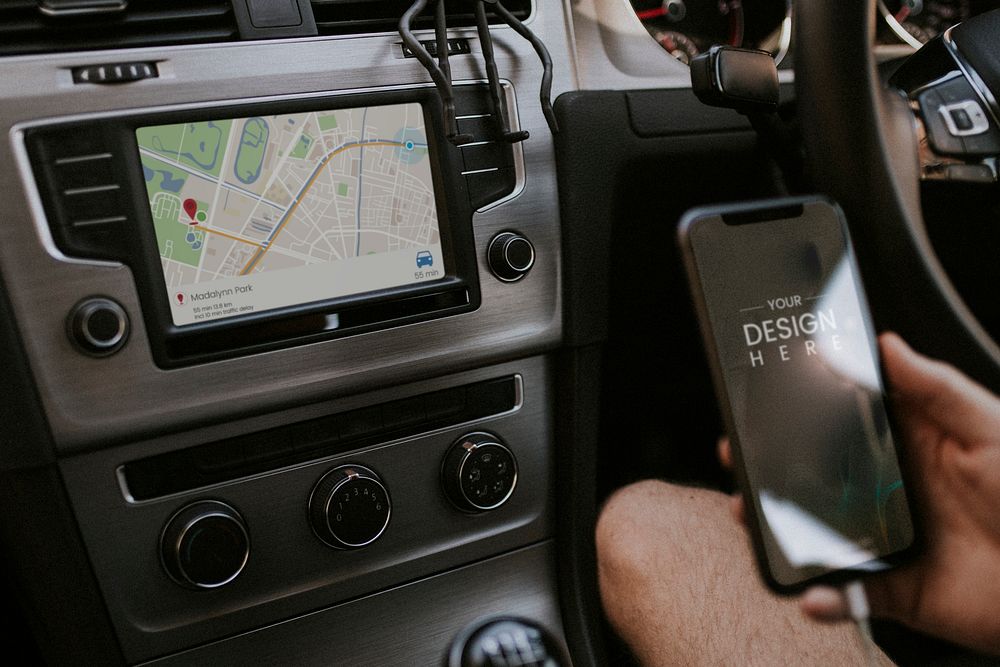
x=205 y=545
x=479 y=473
x=349 y=507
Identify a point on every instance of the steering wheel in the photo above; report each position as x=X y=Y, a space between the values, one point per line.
x=862 y=148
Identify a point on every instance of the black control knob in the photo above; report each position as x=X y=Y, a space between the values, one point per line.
x=205 y=545
x=98 y=326
x=349 y=507
x=510 y=256
x=479 y=473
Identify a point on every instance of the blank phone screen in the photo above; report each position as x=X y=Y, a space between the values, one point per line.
x=797 y=353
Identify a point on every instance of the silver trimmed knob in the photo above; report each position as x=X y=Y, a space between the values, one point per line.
x=510 y=256
x=98 y=326
x=205 y=545
x=349 y=507
x=479 y=473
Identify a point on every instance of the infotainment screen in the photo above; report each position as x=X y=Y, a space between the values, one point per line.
x=258 y=213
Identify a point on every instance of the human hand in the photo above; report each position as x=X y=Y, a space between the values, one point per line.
x=950 y=433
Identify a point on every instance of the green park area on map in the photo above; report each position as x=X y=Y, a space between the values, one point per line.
x=198 y=145
x=171 y=232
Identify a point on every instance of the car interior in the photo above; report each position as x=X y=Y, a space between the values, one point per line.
x=329 y=325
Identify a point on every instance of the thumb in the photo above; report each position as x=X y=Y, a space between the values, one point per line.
x=940 y=392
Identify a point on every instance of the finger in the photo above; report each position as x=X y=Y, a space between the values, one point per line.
x=940 y=392
x=824 y=603
x=738 y=509
x=896 y=594
x=725 y=453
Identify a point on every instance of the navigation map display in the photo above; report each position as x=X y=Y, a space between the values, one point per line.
x=253 y=214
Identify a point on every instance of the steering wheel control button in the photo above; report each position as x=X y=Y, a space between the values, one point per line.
x=349 y=507
x=98 y=326
x=965 y=118
x=510 y=256
x=956 y=122
x=479 y=473
x=205 y=545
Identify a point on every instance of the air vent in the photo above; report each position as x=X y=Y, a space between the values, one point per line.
x=343 y=17
x=25 y=28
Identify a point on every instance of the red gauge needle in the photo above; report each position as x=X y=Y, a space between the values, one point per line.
x=903 y=14
x=651 y=13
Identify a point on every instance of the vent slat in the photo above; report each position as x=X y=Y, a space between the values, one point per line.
x=344 y=17
x=25 y=30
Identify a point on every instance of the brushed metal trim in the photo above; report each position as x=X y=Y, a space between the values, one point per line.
x=380 y=629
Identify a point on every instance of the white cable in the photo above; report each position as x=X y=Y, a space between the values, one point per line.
x=857 y=604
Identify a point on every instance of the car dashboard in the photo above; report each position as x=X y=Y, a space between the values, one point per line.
x=293 y=377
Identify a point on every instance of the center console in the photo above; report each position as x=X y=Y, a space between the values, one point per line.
x=293 y=347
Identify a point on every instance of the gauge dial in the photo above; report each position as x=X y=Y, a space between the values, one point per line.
x=678 y=45
x=916 y=22
x=686 y=28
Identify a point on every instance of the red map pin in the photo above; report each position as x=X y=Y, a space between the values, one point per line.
x=191 y=207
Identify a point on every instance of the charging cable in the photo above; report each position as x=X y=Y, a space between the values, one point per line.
x=857 y=604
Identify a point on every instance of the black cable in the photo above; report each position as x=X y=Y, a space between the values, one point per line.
x=545 y=93
x=441 y=36
x=440 y=71
x=440 y=79
x=493 y=76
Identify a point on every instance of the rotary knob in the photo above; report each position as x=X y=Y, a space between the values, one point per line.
x=98 y=326
x=349 y=507
x=205 y=545
x=510 y=256
x=479 y=473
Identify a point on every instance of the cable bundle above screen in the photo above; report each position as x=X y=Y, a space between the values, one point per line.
x=440 y=69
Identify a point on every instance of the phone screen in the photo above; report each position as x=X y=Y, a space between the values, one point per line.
x=795 y=349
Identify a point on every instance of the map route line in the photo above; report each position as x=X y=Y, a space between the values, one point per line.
x=266 y=245
x=227 y=235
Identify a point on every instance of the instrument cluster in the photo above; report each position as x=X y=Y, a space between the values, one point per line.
x=687 y=28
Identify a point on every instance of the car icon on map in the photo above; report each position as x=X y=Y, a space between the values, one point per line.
x=425 y=258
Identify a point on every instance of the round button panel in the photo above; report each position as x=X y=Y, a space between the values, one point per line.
x=98 y=326
x=205 y=545
x=349 y=507
x=479 y=473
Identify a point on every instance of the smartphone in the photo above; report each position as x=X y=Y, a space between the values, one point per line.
x=796 y=369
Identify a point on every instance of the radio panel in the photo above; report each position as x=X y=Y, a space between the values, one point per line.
x=266 y=224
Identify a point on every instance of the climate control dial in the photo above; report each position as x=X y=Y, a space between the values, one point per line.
x=205 y=545
x=479 y=472
x=349 y=507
